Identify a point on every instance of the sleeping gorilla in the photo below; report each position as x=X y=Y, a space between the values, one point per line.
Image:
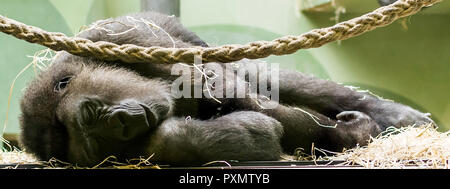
x=82 y=110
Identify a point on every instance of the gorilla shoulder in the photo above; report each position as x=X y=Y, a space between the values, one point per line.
x=144 y=33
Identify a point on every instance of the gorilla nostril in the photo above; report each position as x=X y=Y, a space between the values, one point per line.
x=90 y=110
x=120 y=117
x=87 y=112
x=152 y=118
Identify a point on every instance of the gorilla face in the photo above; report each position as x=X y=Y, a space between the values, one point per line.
x=81 y=113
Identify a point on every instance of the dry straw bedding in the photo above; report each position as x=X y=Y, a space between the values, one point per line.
x=398 y=148
x=419 y=147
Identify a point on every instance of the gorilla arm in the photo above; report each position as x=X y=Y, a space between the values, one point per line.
x=241 y=135
x=330 y=98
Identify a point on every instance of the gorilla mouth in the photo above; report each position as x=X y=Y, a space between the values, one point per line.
x=124 y=121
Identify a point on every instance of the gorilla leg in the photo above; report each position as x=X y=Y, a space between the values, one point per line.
x=241 y=135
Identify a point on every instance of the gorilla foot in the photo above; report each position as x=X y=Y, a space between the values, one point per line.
x=389 y=114
x=355 y=127
x=353 y=117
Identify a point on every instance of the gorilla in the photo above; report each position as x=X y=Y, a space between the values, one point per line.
x=82 y=110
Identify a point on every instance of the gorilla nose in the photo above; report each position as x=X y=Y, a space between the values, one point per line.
x=130 y=119
x=122 y=121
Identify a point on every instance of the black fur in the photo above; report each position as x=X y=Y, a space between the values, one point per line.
x=386 y=2
x=82 y=110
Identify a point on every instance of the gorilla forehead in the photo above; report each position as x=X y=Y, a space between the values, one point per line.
x=39 y=96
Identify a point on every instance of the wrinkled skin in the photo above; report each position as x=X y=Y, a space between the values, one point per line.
x=83 y=110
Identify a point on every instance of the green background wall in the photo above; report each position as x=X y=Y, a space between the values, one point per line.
x=410 y=65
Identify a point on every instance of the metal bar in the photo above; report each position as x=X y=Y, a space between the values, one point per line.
x=169 y=7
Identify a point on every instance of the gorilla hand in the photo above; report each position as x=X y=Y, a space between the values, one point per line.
x=243 y=135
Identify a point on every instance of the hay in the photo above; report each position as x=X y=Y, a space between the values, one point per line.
x=398 y=148
x=16 y=157
x=407 y=147
x=41 y=60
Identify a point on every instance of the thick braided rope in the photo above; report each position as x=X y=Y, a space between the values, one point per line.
x=227 y=53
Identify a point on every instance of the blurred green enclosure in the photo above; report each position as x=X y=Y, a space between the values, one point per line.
x=408 y=61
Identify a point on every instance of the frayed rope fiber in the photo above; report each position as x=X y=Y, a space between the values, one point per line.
x=227 y=53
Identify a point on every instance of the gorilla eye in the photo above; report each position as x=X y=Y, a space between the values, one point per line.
x=62 y=84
